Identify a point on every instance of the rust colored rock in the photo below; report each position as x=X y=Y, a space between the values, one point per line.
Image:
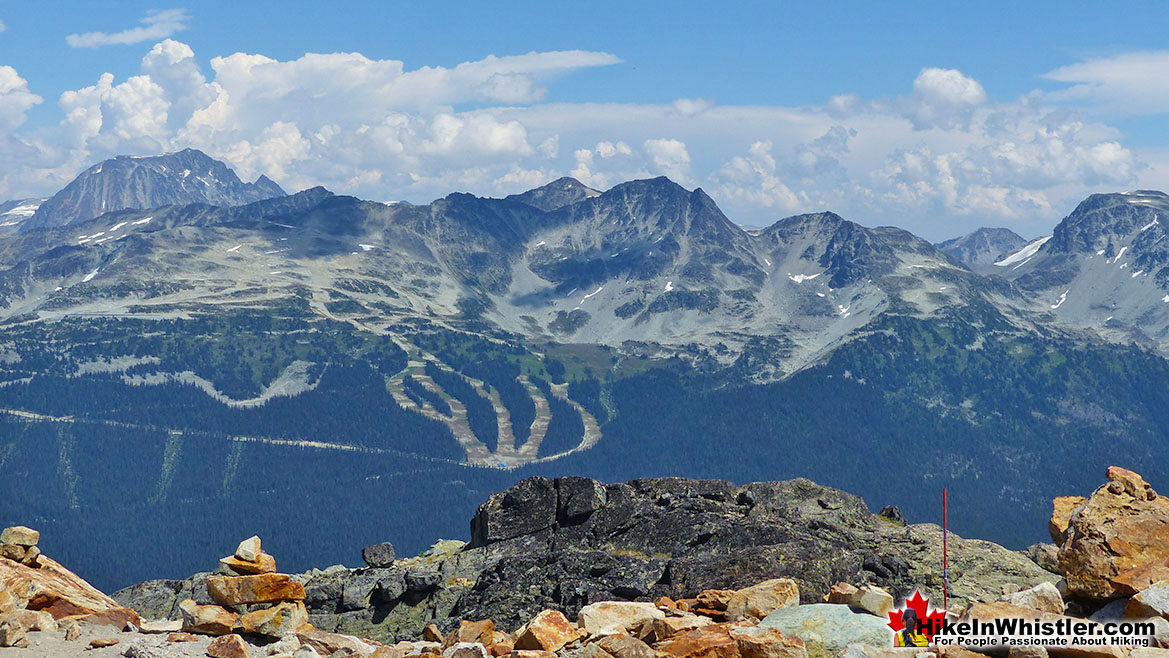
x=625 y=646
x=757 y=642
x=261 y=588
x=181 y=637
x=432 y=634
x=103 y=642
x=1138 y=578
x=758 y=601
x=668 y=627
x=1061 y=516
x=549 y=630
x=278 y=621
x=228 y=646
x=482 y=632
x=207 y=619
x=666 y=602
x=42 y=588
x=530 y=653
x=265 y=564
x=702 y=643
x=118 y=618
x=715 y=599
x=1123 y=525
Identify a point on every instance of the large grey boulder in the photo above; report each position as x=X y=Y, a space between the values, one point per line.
x=827 y=628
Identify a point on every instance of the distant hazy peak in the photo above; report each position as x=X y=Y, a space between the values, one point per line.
x=982 y=246
x=140 y=182
x=555 y=195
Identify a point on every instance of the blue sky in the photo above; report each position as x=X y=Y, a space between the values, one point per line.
x=922 y=115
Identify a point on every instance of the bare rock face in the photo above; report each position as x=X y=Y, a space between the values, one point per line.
x=1124 y=525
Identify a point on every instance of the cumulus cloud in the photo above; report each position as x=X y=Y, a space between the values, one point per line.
x=3 y=27
x=943 y=97
x=15 y=98
x=1129 y=83
x=669 y=157
x=924 y=160
x=156 y=24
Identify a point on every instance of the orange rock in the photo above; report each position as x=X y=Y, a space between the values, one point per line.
x=715 y=599
x=266 y=564
x=668 y=627
x=206 y=619
x=625 y=646
x=702 y=643
x=1139 y=578
x=549 y=630
x=43 y=587
x=113 y=618
x=758 y=601
x=102 y=642
x=261 y=588
x=228 y=646
x=432 y=634
x=181 y=637
x=1123 y=525
x=31 y=620
x=279 y=620
x=759 y=642
x=666 y=602
x=1061 y=515
x=482 y=632
x=532 y=653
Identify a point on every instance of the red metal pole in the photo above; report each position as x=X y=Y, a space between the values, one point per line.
x=945 y=551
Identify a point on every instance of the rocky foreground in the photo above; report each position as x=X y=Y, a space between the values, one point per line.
x=665 y=568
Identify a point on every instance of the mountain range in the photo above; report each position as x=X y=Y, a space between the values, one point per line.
x=276 y=353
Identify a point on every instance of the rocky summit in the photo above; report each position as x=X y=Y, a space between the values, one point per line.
x=664 y=568
x=571 y=542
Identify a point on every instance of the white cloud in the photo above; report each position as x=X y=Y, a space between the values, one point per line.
x=943 y=97
x=156 y=24
x=15 y=98
x=670 y=157
x=933 y=160
x=1129 y=83
x=3 y=27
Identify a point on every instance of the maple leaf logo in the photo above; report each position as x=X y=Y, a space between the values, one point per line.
x=929 y=619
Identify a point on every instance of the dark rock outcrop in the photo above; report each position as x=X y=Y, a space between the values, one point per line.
x=564 y=543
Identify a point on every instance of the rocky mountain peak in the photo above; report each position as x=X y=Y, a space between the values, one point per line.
x=1102 y=218
x=141 y=182
x=982 y=246
x=561 y=192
